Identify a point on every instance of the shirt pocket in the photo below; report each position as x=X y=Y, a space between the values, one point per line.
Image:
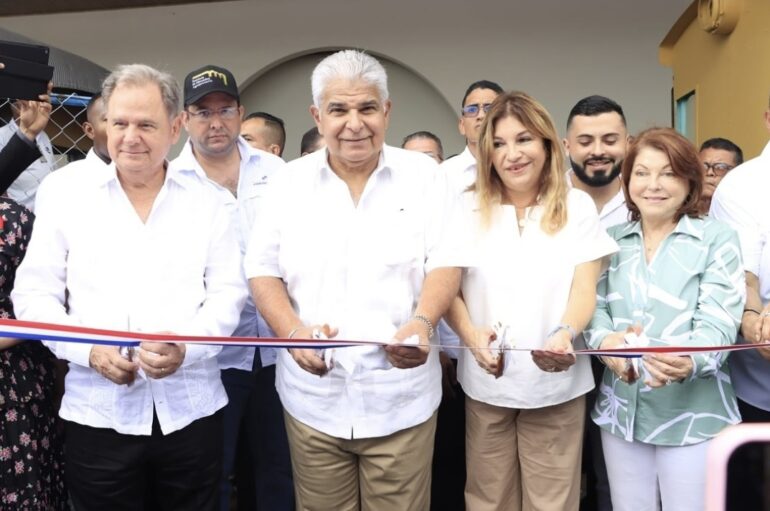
x=398 y=239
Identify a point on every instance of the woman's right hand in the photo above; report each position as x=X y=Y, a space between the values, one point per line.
x=479 y=346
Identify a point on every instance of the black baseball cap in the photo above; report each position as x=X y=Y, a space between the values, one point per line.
x=206 y=80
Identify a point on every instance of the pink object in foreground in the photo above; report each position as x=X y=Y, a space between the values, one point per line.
x=719 y=454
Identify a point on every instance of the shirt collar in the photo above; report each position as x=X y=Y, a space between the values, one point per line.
x=467 y=159
x=186 y=161
x=382 y=170
x=110 y=174
x=688 y=226
x=93 y=158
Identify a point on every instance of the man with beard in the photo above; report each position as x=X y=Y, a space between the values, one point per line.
x=596 y=143
x=216 y=153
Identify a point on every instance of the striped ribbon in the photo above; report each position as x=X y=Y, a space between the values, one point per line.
x=32 y=330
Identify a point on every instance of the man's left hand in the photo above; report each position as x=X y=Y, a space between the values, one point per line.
x=406 y=356
x=160 y=359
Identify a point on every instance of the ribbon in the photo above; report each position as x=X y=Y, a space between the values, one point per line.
x=32 y=330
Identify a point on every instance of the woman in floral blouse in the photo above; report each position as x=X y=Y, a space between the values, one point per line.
x=30 y=445
x=677 y=280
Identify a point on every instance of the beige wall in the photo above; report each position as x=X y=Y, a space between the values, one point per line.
x=729 y=74
x=556 y=50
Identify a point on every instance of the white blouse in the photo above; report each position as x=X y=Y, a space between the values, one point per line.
x=523 y=281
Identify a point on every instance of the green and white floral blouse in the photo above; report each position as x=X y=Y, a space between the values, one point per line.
x=691 y=293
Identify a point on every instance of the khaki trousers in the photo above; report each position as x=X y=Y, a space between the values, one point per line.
x=523 y=460
x=390 y=473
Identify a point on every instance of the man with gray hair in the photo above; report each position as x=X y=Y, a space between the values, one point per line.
x=362 y=258
x=138 y=245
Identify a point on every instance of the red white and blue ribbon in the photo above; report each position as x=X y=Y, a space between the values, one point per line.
x=32 y=330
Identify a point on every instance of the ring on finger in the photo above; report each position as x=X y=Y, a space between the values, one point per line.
x=668 y=381
x=765 y=314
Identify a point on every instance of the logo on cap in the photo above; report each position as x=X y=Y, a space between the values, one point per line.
x=207 y=77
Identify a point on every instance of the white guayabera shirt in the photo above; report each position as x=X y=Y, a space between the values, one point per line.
x=256 y=170
x=361 y=269
x=92 y=262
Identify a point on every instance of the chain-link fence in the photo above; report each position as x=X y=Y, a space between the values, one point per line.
x=65 y=129
x=68 y=142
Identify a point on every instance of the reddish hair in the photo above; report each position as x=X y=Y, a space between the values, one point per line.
x=683 y=157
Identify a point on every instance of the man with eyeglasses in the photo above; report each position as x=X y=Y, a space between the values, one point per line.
x=740 y=200
x=719 y=156
x=215 y=151
x=461 y=169
x=447 y=491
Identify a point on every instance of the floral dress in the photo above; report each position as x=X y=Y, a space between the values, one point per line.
x=31 y=449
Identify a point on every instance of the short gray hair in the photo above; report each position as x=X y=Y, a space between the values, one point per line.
x=353 y=65
x=141 y=74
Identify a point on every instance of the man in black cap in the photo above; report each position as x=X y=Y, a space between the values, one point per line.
x=215 y=151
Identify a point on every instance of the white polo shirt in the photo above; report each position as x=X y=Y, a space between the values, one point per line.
x=460 y=171
x=741 y=201
x=256 y=169
x=93 y=262
x=359 y=268
x=523 y=281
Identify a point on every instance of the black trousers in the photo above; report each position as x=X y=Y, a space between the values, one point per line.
x=179 y=471
x=257 y=448
x=448 y=479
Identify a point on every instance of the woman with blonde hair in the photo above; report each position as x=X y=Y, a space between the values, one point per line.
x=534 y=260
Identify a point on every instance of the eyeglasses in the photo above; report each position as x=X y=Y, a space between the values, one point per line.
x=474 y=109
x=719 y=168
x=228 y=112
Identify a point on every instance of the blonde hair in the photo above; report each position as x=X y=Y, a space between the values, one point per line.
x=552 y=195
